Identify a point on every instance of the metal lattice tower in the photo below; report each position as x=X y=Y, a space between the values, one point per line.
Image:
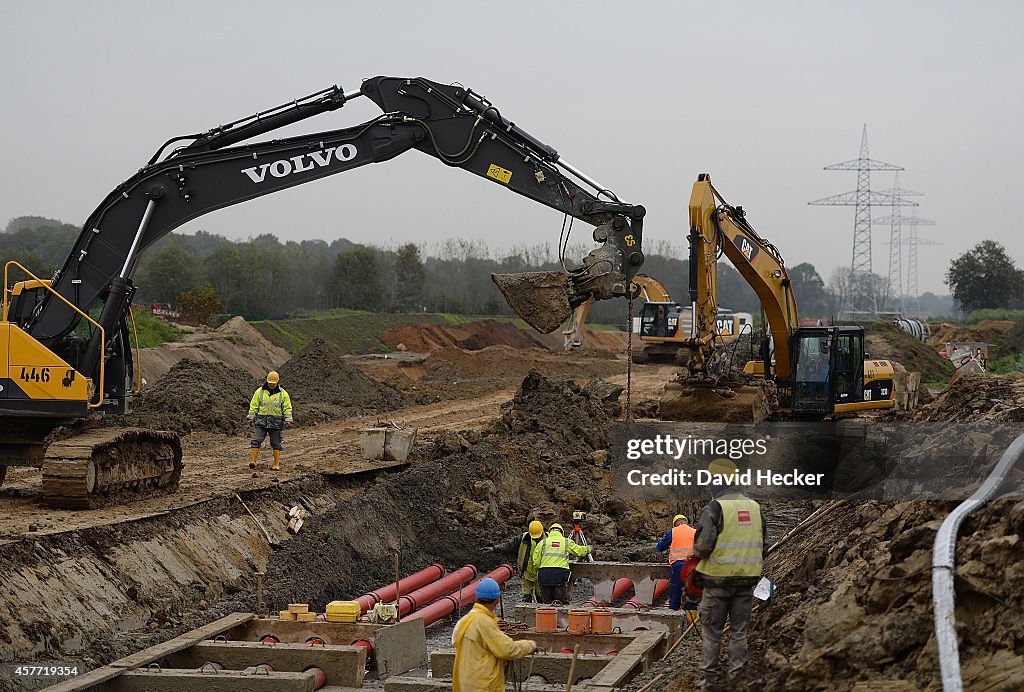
x=913 y=222
x=895 y=297
x=862 y=199
x=913 y=302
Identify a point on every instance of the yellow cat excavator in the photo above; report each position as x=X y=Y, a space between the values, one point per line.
x=819 y=372
x=66 y=355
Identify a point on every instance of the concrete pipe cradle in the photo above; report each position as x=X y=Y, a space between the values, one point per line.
x=431 y=592
x=619 y=589
x=414 y=581
x=451 y=603
x=660 y=589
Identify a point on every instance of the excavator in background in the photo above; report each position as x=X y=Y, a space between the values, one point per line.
x=66 y=355
x=818 y=372
x=662 y=325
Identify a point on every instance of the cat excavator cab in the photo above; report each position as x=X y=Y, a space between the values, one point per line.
x=65 y=352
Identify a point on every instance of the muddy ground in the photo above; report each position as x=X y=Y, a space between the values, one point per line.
x=497 y=445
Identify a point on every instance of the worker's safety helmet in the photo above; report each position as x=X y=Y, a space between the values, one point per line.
x=487 y=590
x=722 y=466
x=555 y=526
x=676 y=518
x=536 y=529
x=273 y=377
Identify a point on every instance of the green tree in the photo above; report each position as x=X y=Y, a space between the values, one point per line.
x=985 y=277
x=812 y=298
x=171 y=271
x=356 y=281
x=200 y=304
x=410 y=276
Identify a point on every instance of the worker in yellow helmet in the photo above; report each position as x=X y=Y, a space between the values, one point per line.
x=678 y=541
x=522 y=547
x=551 y=556
x=270 y=410
x=730 y=541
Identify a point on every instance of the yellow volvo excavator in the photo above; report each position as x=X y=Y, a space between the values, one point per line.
x=819 y=372
x=65 y=352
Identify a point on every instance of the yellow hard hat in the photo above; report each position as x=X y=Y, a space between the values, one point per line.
x=677 y=518
x=273 y=377
x=555 y=526
x=722 y=466
x=536 y=529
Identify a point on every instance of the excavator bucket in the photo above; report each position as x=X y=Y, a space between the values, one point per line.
x=540 y=298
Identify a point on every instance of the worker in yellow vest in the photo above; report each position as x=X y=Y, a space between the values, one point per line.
x=730 y=541
x=678 y=541
x=551 y=555
x=270 y=409
x=522 y=547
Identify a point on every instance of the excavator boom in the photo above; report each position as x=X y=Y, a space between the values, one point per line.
x=66 y=339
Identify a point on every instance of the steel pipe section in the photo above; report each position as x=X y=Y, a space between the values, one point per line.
x=451 y=603
x=619 y=589
x=410 y=583
x=944 y=566
x=431 y=592
x=660 y=589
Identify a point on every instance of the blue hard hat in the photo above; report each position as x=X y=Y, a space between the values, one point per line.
x=487 y=590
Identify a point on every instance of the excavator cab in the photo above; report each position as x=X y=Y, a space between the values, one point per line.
x=828 y=368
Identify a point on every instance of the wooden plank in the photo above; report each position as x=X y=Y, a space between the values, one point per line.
x=174 y=680
x=147 y=656
x=343 y=665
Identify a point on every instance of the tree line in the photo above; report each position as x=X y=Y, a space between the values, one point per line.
x=263 y=277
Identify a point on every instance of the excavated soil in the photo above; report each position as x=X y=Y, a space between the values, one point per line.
x=234 y=343
x=324 y=387
x=473 y=336
x=1005 y=336
x=978 y=397
x=884 y=341
x=197 y=395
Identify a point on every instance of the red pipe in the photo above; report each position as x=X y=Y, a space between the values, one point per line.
x=451 y=603
x=431 y=592
x=319 y=677
x=366 y=645
x=387 y=593
x=619 y=589
x=660 y=587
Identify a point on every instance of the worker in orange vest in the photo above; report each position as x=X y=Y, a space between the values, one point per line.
x=678 y=541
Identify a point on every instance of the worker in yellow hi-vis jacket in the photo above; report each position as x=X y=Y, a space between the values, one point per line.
x=270 y=410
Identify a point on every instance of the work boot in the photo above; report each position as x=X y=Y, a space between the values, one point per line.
x=255 y=454
x=277 y=459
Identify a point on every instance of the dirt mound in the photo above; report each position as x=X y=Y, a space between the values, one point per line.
x=1006 y=336
x=885 y=341
x=235 y=343
x=979 y=397
x=854 y=599
x=324 y=387
x=197 y=395
x=424 y=338
x=453 y=364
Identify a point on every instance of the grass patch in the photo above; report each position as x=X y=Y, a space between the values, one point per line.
x=994 y=314
x=1014 y=363
x=152 y=331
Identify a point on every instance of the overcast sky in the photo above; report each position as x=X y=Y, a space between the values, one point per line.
x=642 y=95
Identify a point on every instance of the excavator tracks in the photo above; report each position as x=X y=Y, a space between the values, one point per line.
x=105 y=466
